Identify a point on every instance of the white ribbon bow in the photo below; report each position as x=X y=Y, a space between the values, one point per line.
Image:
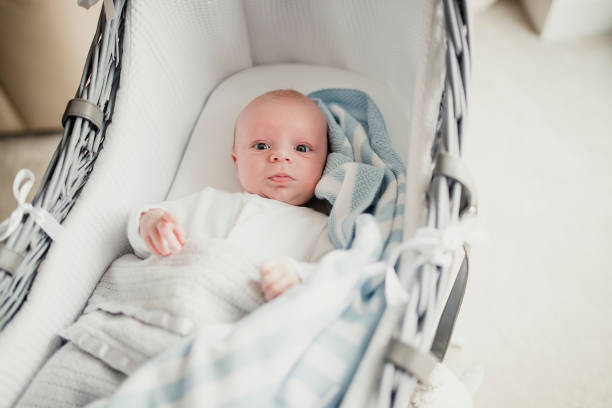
x=432 y=246
x=45 y=220
x=436 y=246
x=109 y=7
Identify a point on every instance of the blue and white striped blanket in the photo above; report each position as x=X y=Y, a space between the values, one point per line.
x=363 y=173
x=303 y=348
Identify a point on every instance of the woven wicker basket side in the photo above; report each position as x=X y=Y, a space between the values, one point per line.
x=72 y=162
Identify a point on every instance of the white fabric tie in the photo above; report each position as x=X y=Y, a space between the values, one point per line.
x=109 y=7
x=432 y=246
x=24 y=180
x=436 y=246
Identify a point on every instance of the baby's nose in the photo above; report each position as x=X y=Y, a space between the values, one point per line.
x=280 y=157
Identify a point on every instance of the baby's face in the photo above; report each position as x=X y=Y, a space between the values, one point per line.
x=280 y=148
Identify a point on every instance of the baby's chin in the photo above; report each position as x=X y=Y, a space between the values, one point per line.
x=286 y=196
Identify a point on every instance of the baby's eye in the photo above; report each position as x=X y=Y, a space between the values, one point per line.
x=261 y=146
x=302 y=148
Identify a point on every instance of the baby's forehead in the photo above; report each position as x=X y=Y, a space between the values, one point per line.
x=266 y=107
x=271 y=100
x=278 y=109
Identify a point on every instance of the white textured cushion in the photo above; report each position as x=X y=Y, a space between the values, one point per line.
x=207 y=160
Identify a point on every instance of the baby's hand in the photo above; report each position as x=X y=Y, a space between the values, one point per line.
x=277 y=276
x=161 y=232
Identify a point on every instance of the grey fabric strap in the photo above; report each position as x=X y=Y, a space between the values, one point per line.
x=450 y=312
x=453 y=167
x=84 y=109
x=9 y=260
x=411 y=360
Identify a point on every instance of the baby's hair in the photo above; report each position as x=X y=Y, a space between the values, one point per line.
x=284 y=93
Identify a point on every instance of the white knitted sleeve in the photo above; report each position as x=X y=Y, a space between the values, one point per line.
x=209 y=213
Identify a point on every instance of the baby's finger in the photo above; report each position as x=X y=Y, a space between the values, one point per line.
x=155 y=240
x=165 y=229
x=270 y=276
x=269 y=269
x=276 y=289
x=173 y=243
x=274 y=293
x=168 y=216
x=267 y=284
x=274 y=277
x=151 y=246
x=178 y=233
x=267 y=266
x=158 y=239
x=176 y=228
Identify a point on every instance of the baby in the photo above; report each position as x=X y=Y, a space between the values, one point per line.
x=279 y=152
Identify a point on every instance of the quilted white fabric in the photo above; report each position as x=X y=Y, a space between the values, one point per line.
x=381 y=40
x=174 y=55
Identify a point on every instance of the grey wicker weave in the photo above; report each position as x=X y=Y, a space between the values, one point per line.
x=451 y=197
x=85 y=122
x=421 y=332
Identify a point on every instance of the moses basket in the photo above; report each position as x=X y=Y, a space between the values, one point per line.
x=150 y=76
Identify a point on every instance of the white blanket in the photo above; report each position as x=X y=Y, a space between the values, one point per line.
x=297 y=350
x=140 y=307
x=268 y=356
x=70 y=379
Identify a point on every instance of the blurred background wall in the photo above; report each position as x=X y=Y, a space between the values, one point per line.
x=567 y=19
x=43 y=45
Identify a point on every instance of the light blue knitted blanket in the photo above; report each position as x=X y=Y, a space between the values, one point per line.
x=363 y=173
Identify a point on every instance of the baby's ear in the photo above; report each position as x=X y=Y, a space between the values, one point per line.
x=234 y=159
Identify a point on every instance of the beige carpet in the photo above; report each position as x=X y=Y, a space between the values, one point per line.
x=537 y=309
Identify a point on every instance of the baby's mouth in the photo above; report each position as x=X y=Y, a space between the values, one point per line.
x=281 y=178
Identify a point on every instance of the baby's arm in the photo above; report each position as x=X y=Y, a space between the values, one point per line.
x=208 y=213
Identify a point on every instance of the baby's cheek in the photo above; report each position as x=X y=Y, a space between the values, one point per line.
x=247 y=171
